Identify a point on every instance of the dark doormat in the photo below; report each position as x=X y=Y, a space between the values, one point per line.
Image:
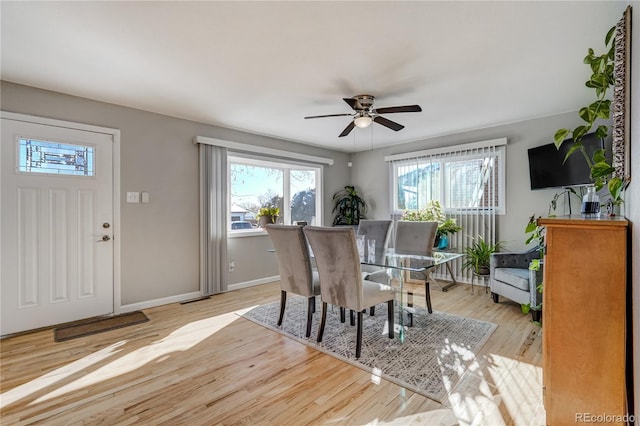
x=95 y=326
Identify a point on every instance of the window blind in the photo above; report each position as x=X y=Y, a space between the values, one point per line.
x=467 y=180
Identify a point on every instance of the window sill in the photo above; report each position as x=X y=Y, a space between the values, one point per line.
x=248 y=233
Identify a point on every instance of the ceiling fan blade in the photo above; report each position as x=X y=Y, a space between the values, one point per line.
x=406 y=108
x=388 y=123
x=347 y=129
x=353 y=103
x=329 y=115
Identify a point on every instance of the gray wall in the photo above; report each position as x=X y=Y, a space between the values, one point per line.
x=370 y=172
x=160 y=240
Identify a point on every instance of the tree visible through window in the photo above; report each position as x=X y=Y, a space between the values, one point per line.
x=293 y=188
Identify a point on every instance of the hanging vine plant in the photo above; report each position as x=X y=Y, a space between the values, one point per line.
x=601 y=80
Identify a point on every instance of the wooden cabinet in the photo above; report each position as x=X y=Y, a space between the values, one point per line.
x=584 y=319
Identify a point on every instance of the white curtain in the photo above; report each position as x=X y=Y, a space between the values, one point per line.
x=213 y=219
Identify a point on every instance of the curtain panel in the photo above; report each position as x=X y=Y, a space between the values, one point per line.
x=213 y=218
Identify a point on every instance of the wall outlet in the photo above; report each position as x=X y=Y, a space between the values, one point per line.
x=232 y=266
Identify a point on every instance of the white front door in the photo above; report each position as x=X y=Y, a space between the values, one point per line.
x=56 y=225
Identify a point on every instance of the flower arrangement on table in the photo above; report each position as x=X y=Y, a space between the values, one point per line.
x=433 y=212
x=268 y=214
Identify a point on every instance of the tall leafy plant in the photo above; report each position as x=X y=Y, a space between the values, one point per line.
x=601 y=80
x=348 y=207
x=477 y=256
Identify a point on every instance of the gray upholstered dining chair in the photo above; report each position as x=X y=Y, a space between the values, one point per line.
x=417 y=238
x=294 y=263
x=341 y=281
x=380 y=232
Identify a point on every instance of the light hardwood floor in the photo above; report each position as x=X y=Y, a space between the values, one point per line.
x=202 y=364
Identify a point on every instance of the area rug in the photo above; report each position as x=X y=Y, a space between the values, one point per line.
x=436 y=353
x=94 y=326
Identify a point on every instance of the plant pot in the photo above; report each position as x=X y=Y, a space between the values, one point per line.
x=483 y=270
x=265 y=220
x=443 y=242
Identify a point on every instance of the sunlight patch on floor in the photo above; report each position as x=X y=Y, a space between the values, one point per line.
x=471 y=399
x=182 y=339
x=474 y=403
x=441 y=416
x=49 y=379
x=520 y=385
x=514 y=385
x=376 y=376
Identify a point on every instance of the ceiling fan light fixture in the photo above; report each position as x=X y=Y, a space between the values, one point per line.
x=364 y=114
x=362 y=121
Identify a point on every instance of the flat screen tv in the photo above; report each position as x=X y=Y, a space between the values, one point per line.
x=546 y=168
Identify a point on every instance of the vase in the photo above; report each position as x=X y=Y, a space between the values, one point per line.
x=443 y=243
x=590 y=203
x=265 y=220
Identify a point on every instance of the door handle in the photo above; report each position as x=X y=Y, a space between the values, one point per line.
x=104 y=238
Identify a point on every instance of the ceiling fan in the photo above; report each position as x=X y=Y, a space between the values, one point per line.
x=365 y=113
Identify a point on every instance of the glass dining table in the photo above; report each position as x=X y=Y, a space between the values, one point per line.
x=399 y=265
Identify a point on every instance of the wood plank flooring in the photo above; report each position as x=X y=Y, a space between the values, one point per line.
x=201 y=364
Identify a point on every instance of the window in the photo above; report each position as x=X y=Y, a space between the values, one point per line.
x=293 y=188
x=471 y=180
x=36 y=156
x=467 y=180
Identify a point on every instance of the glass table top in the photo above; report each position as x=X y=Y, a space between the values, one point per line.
x=405 y=261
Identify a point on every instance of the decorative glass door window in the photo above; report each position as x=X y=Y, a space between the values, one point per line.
x=57 y=158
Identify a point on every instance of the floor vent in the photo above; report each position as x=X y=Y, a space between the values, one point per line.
x=195 y=300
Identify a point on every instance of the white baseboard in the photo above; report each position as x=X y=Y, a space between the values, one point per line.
x=189 y=296
x=251 y=283
x=158 y=302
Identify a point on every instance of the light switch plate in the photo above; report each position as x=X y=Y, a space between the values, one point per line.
x=145 y=197
x=133 y=197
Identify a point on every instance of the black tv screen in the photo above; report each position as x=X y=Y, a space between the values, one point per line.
x=546 y=168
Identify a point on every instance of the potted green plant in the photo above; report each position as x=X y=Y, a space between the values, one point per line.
x=267 y=214
x=602 y=78
x=433 y=212
x=348 y=207
x=477 y=256
x=535 y=234
x=449 y=226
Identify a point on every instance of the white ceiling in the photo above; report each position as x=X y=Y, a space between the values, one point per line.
x=263 y=66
